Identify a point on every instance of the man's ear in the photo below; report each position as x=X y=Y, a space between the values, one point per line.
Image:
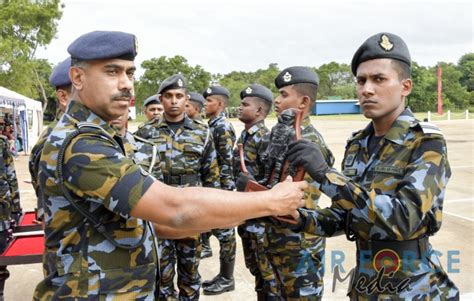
x=76 y=75
x=304 y=102
x=63 y=97
x=407 y=85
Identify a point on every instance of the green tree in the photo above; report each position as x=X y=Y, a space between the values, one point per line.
x=25 y=26
x=466 y=66
x=423 y=96
x=453 y=91
x=158 y=69
x=335 y=80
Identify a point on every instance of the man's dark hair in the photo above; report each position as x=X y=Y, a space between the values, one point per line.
x=265 y=105
x=307 y=89
x=196 y=104
x=403 y=70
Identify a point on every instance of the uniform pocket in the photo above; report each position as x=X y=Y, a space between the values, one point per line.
x=123 y=280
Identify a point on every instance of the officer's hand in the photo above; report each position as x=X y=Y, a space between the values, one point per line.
x=308 y=155
x=289 y=196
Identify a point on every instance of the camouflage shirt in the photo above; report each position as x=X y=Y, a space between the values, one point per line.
x=224 y=140
x=254 y=141
x=80 y=262
x=145 y=153
x=189 y=151
x=9 y=193
x=395 y=194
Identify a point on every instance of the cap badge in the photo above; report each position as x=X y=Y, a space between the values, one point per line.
x=385 y=43
x=180 y=83
x=209 y=90
x=248 y=90
x=136 y=44
x=287 y=76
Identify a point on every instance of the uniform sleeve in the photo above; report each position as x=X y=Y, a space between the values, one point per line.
x=209 y=166
x=12 y=181
x=325 y=222
x=224 y=141
x=104 y=175
x=415 y=204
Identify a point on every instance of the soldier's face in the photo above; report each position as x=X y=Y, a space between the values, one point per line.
x=380 y=91
x=192 y=110
x=288 y=99
x=248 y=110
x=212 y=105
x=154 y=110
x=174 y=104
x=105 y=86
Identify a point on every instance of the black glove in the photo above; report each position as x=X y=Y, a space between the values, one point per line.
x=282 y=224
x=308 y=155
x=242 y=182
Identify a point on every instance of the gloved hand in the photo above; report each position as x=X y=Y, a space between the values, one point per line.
x=242 y=182
x=308 y=155
x=296 y=227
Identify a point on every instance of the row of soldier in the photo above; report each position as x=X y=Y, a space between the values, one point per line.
x=96 y=198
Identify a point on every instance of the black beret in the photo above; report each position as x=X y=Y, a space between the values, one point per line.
x=176 y=81
x=382 y=45
x=194 y=96
x=60 y=75
x=98 y=45
x=257 y=90
x=216 y=90
x=296 y=75
x=151 y=100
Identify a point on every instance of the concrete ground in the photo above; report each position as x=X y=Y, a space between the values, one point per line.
x=455 y=238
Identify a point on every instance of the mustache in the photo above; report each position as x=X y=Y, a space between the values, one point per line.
x=121 y=95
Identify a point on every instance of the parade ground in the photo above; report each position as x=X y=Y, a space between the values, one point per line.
x=454 y=241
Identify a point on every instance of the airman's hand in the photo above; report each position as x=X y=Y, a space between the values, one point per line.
x=289 y=196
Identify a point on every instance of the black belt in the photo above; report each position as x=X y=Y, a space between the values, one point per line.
x=181 y=179
x=417 y=247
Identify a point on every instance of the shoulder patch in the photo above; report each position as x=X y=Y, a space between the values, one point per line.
x=429 y=128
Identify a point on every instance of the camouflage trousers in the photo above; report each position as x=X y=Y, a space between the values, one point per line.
x=252 y=234
x=227 y=243
x=297 y=259
x=186 y=254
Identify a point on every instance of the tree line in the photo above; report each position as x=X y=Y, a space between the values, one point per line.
x=27 y=25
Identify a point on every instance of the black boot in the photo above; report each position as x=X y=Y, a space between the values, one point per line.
x=206 y=250
x=225 y=280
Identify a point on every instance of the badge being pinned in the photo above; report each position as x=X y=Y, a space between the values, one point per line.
x=248 y=90
x=287 y=76
x=385 y=43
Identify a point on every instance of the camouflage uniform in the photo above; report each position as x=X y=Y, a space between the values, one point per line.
x=252 y=232
x=9 y=195
x=388 y=200
x=296 y=257
x=80 y=263
x=188 y=158
x=224 y=140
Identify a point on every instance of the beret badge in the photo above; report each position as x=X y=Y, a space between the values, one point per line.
x=287 y=77
x=248 y=90
x=385 y=43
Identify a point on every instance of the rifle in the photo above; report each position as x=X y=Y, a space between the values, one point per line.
x=298 y=173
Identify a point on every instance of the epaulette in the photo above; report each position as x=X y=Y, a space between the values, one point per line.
x=354 y=135
x=428 y=128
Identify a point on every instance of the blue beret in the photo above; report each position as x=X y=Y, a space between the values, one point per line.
x=99 y=45
x=296 y=75
x=379 y=46
x=151 y=100
x=216 y=90
x=60 y=75
x=176 y=81
x=259 y=91
x=194 y=96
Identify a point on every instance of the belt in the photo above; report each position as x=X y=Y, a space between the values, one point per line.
x=417 y=248
x=181 y=179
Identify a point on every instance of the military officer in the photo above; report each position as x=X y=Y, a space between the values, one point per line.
x=389 y=196
x=9 y=193
x=297 y=258
x=97 y=201
x=152 y=107
x=256 y=102
x=59 y=79
x=224 y=140
x=193 y=110
x=188 y=158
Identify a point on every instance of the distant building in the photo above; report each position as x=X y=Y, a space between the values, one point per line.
x=336 y=106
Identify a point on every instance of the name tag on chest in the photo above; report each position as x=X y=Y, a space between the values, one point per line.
x=393 y=170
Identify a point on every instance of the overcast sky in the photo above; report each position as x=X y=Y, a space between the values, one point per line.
x=245 y=35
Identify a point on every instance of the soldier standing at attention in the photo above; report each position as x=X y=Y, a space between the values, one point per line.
x=97 y=201
x=187 y=158
x=389 y=196
x=193 y=110
x=255 y=105
x=153 y=107
x=224 y=140
x=297 y=258
x=60 y=80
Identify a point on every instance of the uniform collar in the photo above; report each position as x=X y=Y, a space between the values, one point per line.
x=81 y=113
x=220 y=116
x=306 y=122
x=188 y=123
x=256 y=127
